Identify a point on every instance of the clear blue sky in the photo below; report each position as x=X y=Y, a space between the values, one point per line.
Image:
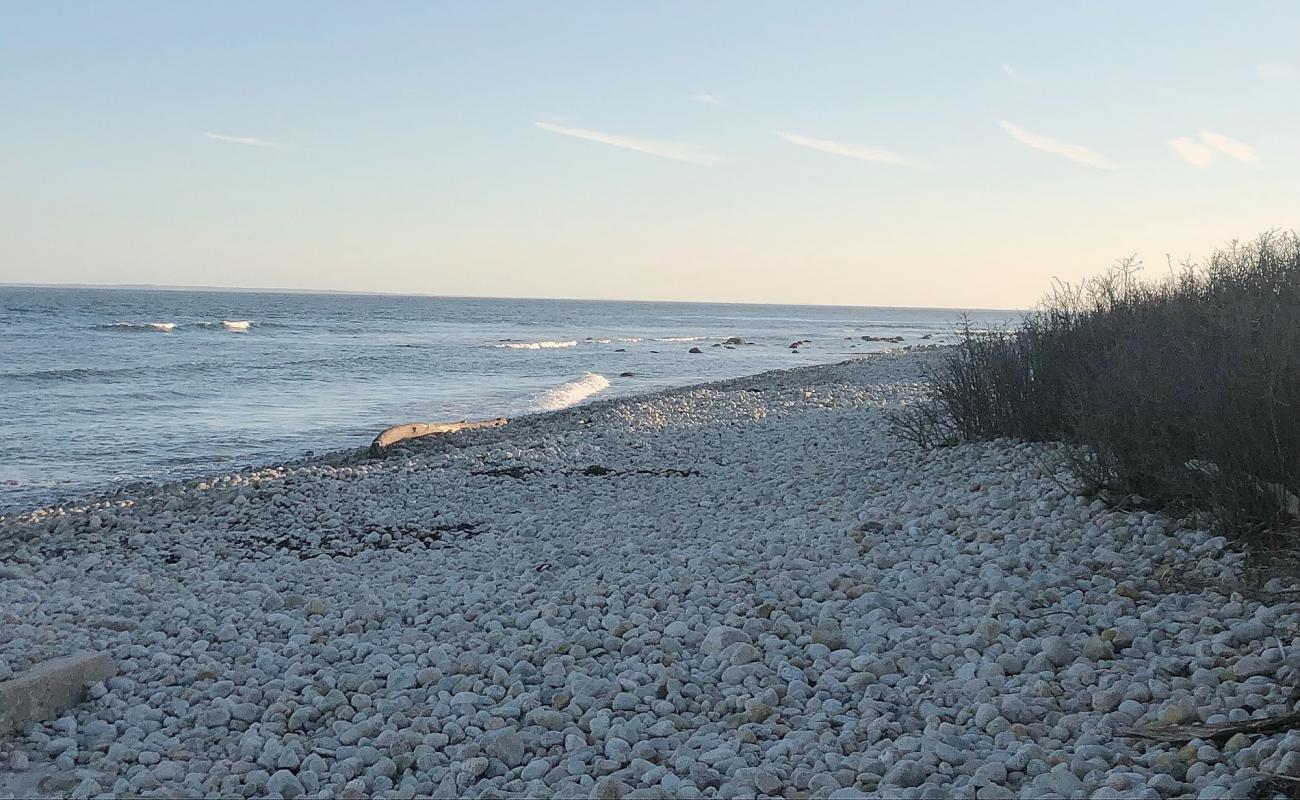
x=910 y=153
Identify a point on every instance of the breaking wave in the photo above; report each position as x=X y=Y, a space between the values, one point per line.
x=571 y=393
x=547 y=345
x=233 y=325
x=141 y=327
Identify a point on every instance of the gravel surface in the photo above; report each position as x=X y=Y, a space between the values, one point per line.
x=747 y=588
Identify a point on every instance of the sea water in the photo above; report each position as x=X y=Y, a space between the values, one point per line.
x=102 y=387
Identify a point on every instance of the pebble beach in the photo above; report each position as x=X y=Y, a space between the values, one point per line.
x=748 y=588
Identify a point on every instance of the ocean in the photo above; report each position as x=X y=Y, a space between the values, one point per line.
x=100 y=388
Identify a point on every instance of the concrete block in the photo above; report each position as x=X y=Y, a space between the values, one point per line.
x=46 y=690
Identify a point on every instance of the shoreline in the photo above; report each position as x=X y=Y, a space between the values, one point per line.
x=158 y=390
x=741 y=588
x=336 y=456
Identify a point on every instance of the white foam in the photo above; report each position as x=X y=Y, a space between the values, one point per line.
x=571 y=393
x=165 y=327
x=682 y=339
x=238 y=325
x=536 y=345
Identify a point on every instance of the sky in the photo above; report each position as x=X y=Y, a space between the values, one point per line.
x=865 y=153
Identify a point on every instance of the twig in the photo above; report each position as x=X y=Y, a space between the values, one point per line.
x=1035 y=613
x=1287 y=785
x=1186 y=733
x=1047 y=472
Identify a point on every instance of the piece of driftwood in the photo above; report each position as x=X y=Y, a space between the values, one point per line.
x=415 y=430
x=43 y=692
x=1286 y=785
x=1186 y=733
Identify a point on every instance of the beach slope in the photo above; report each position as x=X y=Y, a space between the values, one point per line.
x=747 y=588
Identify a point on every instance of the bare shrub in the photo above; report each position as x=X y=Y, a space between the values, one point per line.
x=1185 y=391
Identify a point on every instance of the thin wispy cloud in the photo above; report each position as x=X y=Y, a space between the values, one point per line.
x=1192 y=151
x=1074 y=152
x=706 y=99
x=860 y=152
x=677 y=151
x=1010 y=72
x=1230 y=147
x=1204 y=148
x=248 y=141
x=1275 y=71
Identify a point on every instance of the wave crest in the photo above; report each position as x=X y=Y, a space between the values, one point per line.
x=141 y=327
x=571 y=393
x=236 y=325
x=546 y=345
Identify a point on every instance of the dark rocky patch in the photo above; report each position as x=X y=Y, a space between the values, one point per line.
x=503 y=472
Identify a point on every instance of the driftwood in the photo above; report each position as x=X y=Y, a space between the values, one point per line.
x=1186 y=733
x=50 y=688
x=1287 y=785
x=414 y=430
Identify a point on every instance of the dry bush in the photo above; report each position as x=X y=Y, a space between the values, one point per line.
x=1185 y=391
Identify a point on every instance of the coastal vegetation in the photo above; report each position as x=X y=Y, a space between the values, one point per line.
x=1181 y=392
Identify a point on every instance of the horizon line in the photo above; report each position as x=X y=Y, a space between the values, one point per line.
x=165 y=287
